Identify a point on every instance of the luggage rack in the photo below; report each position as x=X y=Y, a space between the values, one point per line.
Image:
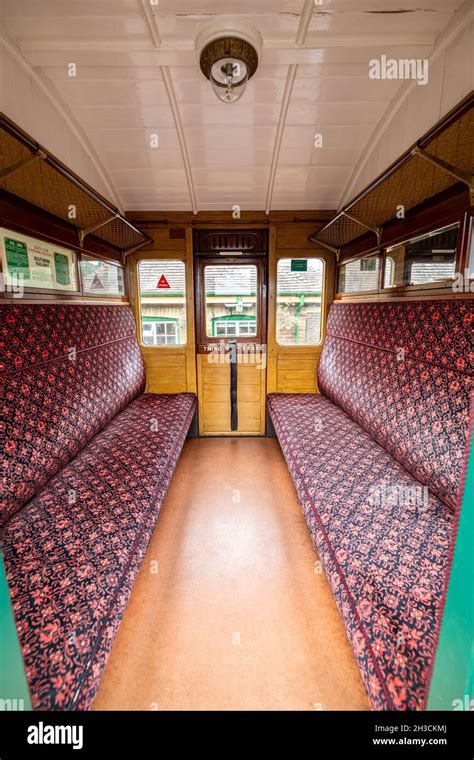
x=428 y=168
x=32 y=173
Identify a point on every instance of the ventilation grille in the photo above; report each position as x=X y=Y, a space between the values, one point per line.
x=231 y=241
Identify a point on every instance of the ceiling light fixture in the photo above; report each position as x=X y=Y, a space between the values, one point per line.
x=229 y=61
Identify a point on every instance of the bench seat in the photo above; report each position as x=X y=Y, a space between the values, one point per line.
x=73 y=552
x=88 y=458
x=386 y=562
x=378 y=461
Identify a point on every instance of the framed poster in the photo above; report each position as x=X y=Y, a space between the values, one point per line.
x=31 y=263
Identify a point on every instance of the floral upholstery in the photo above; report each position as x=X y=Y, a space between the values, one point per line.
x=404 y=372
x=62 y=382
x=386 y=561
x=72 y=553
x=377 y=464
x=89 y=459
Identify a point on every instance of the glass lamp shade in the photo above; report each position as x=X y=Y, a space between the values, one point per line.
x=229 y=78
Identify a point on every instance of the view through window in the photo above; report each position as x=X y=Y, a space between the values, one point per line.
x=101 y=278
x=360 y=275
x=430 y=258
x=231 y=301
x=299 y=294
x=163 y=302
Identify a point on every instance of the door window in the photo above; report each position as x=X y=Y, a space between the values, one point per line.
x=231 y=300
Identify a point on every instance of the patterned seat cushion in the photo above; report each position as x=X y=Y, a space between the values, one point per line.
x=66 y=371
x=72 y=553
x=383 y=540
x=404 y=372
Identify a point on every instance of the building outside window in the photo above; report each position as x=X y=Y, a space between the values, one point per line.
x=234 y=325
x=163 y=302
x=158 y=331
x=299 y=293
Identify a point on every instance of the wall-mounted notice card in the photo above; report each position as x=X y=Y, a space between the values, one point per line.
x=34 y=263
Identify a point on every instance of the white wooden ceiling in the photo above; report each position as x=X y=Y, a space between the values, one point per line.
x=138 y=74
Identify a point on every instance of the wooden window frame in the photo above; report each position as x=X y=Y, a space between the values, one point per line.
x=112 y=296
x=452 y=207
x=260 y=263
x=377 y=255
x=323 y=288
x=138 y=260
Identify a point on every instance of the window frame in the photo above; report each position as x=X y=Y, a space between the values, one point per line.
x=201 y=332
x=225 y=317
x=433 y=284
x=377 y=254
x=167 y=321
x=166 y=346
x=323 y=284
x=451 y=208
x=112 y=296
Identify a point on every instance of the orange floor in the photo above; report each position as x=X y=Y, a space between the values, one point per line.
x=236 y=616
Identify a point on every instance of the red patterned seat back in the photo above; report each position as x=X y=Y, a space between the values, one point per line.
x=66 y=371
x=404 y=371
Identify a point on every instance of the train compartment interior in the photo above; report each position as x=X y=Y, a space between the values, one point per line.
x=236 y=315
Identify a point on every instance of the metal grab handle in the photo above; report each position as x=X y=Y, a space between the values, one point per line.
x=234 y=415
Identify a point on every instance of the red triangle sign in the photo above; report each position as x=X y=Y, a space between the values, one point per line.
x=163 y=283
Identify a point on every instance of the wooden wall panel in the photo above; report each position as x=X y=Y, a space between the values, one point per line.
x=166 y=372
x=296 y=372
x=167 y=239
x=214 y=398
x=295 y=237
x=289 y=369
x=169 y=369
x=251 y=397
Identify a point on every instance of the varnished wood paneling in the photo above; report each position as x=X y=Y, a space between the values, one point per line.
x=169 y=369
x=166 y=372
x=250 y=393
x=251 y=396
x=214 y=397
x=164 y=239
x=295 y=236
x=249 y=374
x=289 y=369
x=152 y=219
x=214 y=374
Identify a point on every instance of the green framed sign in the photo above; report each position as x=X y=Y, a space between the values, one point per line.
x=299 y=265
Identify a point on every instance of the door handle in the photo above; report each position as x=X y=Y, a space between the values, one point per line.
x=234 y=414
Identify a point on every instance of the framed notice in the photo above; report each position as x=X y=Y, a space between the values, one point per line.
x=31 y=263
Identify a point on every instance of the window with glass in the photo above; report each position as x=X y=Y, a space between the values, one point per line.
x=162 y=285
x=360 y=276
x=160 y=332
x=101 y=278
x=235 y=325
x=299 y=299
x=429 y=258
x=231 y=300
